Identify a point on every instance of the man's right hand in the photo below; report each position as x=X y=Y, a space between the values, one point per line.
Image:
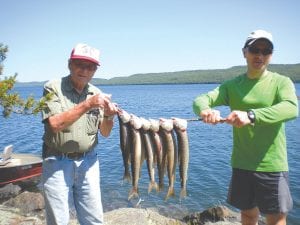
x=211 y=116
x=99 y=101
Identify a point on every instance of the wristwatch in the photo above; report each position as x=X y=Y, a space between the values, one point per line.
x=251 y=116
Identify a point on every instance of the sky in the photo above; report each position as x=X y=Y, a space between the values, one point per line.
x=139 y=36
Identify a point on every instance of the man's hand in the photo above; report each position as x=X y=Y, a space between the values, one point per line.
x=211 y=116
x=111 y=109
x=99 y=101
x=238 y=118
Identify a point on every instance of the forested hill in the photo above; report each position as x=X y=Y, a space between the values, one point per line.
x=190 y=77
x=198 y=76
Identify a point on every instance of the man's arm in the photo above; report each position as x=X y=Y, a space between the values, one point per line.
x=62 y=120
x=286 y=108
x=203 y=105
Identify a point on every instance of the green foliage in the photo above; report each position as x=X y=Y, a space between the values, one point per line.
x=3 y=51
x=11 y=102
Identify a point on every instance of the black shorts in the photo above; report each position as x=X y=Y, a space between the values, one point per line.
x=268 y=191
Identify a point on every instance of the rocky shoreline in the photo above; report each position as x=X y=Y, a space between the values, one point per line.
x=19 y=206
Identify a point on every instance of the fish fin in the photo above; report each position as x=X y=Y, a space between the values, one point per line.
x=170 y=193
x=160 y=187
x=151 y=186
x=127 y=178
x=179 y=157
x=129 y=160
x=154 y=159
x=133 y=194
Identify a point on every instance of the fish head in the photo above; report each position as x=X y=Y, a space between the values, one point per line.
x=154 y=125
x=180 y=124
x=105 y=95
x=135 y=122
x=145 y=123
x=166 y=124
x=124 y=116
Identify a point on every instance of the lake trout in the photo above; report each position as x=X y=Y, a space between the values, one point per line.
x=180 y=127
x=136 y=154
x=150 y=154
x=158 y=149
x=125 y=142
x=169 y=146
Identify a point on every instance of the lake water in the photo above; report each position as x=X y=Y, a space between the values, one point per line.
x=210 y=149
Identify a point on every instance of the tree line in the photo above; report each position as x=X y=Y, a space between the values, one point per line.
x=197 y=76
x=189 y=76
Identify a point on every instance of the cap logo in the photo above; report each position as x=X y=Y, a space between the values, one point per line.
x=258 y=34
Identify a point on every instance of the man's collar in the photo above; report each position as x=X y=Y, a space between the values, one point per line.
x=68 y=86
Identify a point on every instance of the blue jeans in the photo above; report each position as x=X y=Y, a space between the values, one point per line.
x=63 y=177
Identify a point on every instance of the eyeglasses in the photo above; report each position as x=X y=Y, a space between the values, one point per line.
x=83 y=66
x=265 y=51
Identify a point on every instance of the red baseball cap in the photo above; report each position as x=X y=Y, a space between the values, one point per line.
x=83 y=51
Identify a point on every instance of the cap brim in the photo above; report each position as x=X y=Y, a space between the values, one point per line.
x=85 y=58
x=250 y=42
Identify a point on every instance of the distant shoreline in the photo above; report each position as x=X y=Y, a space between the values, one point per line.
x=212 y=76
x=28 y=84
x=41 y=84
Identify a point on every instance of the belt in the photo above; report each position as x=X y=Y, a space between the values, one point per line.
x=73 y=155
x=70 y=155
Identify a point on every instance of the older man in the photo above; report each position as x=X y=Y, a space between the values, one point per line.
x=72 y=118
x=260 y=102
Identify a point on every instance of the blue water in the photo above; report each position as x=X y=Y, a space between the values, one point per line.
x=210 y=149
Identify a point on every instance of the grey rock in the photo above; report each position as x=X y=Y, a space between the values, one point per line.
x=11 y=216
x=132 y=216
x=27 y=202
x=28 y=209
x=214 y=214
x=9 y=191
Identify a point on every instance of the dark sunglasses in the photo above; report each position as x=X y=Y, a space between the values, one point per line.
x=83 y=66
x=265 y=51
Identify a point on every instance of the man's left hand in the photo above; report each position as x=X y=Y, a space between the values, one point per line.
x=238 y=118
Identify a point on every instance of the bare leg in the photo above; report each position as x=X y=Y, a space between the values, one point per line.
x=276 y=219
x=250 y=216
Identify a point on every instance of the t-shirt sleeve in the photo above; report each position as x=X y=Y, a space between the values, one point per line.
x=52 y=106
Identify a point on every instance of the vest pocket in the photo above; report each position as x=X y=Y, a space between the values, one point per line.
x=93 y=119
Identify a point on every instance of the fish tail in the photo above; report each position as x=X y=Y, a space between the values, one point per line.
x=170 y=193
x=127 y=177
x=133 y=193
x=160 y=187
x=183 y=193
x=152 y=185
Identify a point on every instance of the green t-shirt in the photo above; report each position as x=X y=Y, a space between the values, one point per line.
x=273 y=99
x=82 y=135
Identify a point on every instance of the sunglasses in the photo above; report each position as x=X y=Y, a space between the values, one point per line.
x=265 y=51
x=83 y=66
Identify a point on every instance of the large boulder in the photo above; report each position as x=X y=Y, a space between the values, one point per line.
x=9 y=191
x=27 y=202
x=133 y=216
x=214 y=214
x=219 y=215
x=11 y=216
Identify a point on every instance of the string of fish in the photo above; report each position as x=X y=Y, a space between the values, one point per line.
x=162 y=143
